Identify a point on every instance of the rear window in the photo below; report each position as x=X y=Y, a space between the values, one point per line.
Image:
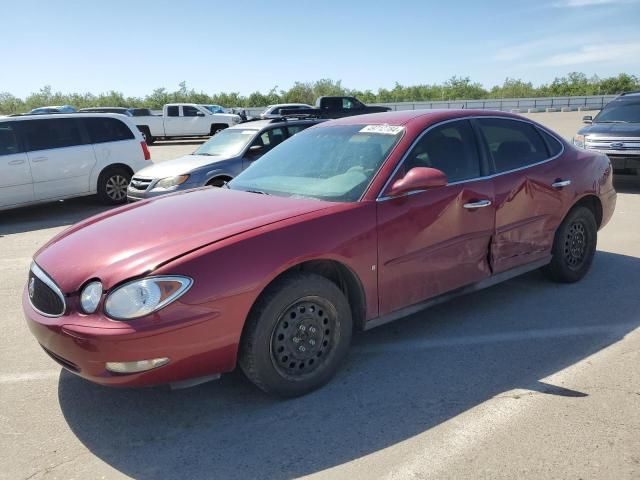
x=8 y=139
x=52 y=133
x=173 y=111
x=555 y=147
x=106 y=129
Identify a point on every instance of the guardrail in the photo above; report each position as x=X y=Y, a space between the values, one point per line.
x=539 y=104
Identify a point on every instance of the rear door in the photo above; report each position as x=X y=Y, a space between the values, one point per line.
x=60 y=156
x=113 y=142
x=16 y=184
x=530 y=190
x=173 y=122
x=434 y=241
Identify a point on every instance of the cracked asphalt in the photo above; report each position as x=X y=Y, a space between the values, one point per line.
x=527 y=379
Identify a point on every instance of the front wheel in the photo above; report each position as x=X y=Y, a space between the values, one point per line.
x=298 y=333
x=574 y=247
x=112 y=186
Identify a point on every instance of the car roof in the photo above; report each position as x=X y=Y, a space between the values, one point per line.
x=260 y=124
x=45 y=116
x=404 y=117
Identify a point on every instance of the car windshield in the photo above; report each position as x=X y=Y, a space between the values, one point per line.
x=620 y=112
x=228 y=142
x=334 y=163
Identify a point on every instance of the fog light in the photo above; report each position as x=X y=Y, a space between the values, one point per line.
x=137 y=366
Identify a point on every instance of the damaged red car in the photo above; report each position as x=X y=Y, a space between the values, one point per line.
x=347 y=225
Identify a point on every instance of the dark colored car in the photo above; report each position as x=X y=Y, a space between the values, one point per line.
x=615 y=131
x=140 y=112
x=216 y=161
x=348 y=225
x=336 y=107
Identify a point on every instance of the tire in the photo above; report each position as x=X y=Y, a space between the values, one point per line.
x=217 y=182
x=216 y=127
x=296 y=336
x=112 y=186
x=148 y=138
x=574 y=246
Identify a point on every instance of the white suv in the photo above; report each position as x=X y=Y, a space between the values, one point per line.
x=52 y=157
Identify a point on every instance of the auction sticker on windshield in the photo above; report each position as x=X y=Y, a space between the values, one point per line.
x=383 y=129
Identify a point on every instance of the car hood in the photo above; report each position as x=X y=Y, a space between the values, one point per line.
x=137 y=238
x=612 y=130
x=179 y=166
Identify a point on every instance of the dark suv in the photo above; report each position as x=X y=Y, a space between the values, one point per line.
x=616 y=132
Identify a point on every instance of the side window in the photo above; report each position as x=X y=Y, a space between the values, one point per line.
x=555 y=147
x=293 y=129
x=173 y=111
x=513 y=144
x=347 y=104
x=450 y=148
x=188 y=111
x=270 y=138
x=52 y=133
x=106 y=129
x=9 y=139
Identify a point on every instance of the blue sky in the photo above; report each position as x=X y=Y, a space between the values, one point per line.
x=243 y=46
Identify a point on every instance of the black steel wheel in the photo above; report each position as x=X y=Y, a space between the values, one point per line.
x=574 y=246
x=296 y=336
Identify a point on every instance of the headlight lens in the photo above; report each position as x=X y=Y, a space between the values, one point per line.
x=578 y=141
x=142 y=297
x=90 y=296
x=171 y=181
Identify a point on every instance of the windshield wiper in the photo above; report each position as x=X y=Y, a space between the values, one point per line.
x=257 y=191
x=206 y=154
x=613 y=121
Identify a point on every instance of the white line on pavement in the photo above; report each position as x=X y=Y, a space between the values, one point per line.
x=28 y=377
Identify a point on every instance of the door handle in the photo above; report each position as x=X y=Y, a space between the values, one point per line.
x=16 y=162
x=39 y=159
x=477 y=204
x=561 y=183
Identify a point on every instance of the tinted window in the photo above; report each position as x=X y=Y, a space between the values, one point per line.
x=450 y=148
x=293 y=129
x=52 y=133
x=107 y=130
x=270 y=138
x=512 y=144
x=190 y=111
x=173 y=111
x=620 y=111
x=8 y=139
x=554 y=146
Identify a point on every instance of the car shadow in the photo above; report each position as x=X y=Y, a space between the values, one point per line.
x=400 y=380
x=49 y=215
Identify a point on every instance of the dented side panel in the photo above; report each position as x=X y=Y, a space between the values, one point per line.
x=428 y=243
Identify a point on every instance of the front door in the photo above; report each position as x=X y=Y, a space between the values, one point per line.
x=16 y=184
x=434 y=241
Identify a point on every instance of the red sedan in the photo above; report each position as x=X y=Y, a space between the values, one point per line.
x=348 y=225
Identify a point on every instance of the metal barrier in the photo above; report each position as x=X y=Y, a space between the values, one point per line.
x=595 y=102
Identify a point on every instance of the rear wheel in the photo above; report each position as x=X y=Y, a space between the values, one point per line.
x=216 y=127
x=296 y=336
x=574 y=246
x=112 y=186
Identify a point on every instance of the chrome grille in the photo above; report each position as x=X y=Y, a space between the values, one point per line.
x=141 y=184
x=627 y=145
x=44 y=295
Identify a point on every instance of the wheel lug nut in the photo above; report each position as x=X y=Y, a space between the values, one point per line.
x=312 y=342
x=312 y=329
x=296 y=340
x=302 y=328
x=301 y=348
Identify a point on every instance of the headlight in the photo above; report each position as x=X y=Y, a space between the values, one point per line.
x=578 y=141
x=90 y=296
x=142 y=297
x=171 y=181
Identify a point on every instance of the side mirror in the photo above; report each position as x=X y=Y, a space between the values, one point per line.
x=587 y=119
x=418 y=178
x=256 y=149
x=199 y=114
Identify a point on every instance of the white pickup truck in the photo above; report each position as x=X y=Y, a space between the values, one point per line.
x=184 y=120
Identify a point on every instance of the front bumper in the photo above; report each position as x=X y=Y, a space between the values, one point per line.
x=82 y=347
x=134 y=195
